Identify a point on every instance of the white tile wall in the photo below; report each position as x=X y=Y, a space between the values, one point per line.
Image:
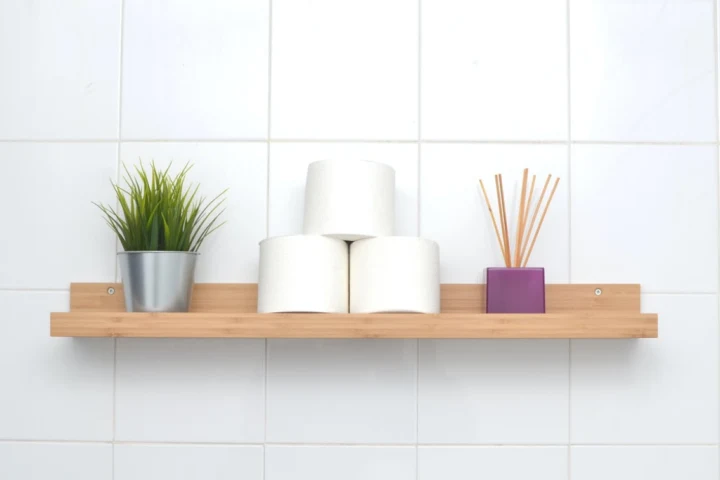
x=57 y=461
x=493 y=392
x=616 y=97
x=498 y=463
x=645 y=214
x=342 y=391
x=195 y=69
x=489 y=73
x=344 y=69
x=61 y=69
x=54 y=233
x=643 y=71
x=348 y=463
x=659 y=391
x=51 y=389
x=190 y=390
x=183 y=462
x=644 y=463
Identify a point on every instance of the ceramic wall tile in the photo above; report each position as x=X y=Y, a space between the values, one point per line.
x=493 y=392
x=53 y=388
x=642 y=71
x=491 y=73
x=342 y=391
x=644 y=463
x=55 y=234
x=61 y=64
x=498 y=463
x=651 y=391
x=348 y=463
x=42 y=461
x=190 y=390
x=344 y=70
x=195 y=70
x=645 y=214
x=183 y=462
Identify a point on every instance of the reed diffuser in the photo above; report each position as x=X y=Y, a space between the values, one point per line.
x=517 y=288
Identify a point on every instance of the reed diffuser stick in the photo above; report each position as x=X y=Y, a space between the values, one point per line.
x=532 y=222
x=529 y=202
x=508 y=261
x=492 y=216
x=521 y=216
x=528 y=208
x=542 y=219
x=523 y=234
x=502 y=220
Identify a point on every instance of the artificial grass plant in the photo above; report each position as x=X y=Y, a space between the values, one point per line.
x=159 y=211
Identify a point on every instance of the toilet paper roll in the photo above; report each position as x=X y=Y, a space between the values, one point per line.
x=394 y=274
x=303 y=273
x=349 y=199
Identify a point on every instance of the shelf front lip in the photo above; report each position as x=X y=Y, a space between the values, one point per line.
x=600 y=325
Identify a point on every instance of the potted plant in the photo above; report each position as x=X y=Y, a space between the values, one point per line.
x=161 y=223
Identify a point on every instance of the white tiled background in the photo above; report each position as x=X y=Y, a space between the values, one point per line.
x=617 y=97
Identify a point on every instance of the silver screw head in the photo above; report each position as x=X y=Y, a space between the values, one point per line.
x=111 y=291
x=598 y=292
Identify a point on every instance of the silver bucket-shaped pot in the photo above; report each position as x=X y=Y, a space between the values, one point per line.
x=158 y=281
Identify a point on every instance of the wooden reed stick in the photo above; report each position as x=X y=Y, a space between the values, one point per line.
x=526 y=215
x=492 y=215
x=502 y=223
x=542 y=219
x=505 y=222
x=527 y=207
x=532 y=222
x=521 y=213
x=503 y=218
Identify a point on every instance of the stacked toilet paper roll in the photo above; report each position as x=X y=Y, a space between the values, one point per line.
x=303 y=273
x=318 y=271
x=394 y=274
x=349 y=200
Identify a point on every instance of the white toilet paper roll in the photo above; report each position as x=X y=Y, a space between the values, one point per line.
x=349 y=199
x=303 y=273
x=394 y=274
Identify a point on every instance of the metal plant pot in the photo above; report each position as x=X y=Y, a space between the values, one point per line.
x=158 y=281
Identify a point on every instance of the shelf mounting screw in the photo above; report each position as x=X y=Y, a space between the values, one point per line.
x=598 y=292
x=111 y=291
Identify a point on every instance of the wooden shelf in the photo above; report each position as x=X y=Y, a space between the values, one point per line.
x=228 y=311
x=301 y=325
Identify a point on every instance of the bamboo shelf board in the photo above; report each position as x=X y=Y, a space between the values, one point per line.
x=229 y=311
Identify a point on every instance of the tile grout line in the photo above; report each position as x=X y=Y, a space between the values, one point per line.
x=569 y=173
x=419 y=111
x=269 y=122
x=716 y=19
x=358 y=140
x=418 y=205
x=417 y=409
x=716 y=67
x=648 y=293
x=363 y=445
x=267 y=219
x=265 y=424
x=36 y=290
x=117 y=179
x=418 y=216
